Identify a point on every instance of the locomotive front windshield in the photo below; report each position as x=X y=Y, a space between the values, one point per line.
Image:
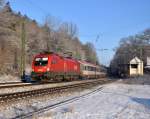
x=41 y=61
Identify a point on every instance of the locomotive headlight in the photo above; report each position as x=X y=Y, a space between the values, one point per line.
x=48 y=69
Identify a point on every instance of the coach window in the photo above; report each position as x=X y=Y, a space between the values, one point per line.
x=89 y=68
x=86 y=68
x=82 y=67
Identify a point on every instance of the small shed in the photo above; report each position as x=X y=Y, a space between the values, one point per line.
x=136 y=67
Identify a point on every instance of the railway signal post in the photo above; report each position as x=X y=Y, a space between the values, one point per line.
x=22 y=67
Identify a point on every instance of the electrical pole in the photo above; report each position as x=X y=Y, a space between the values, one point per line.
x=96 y=40
x=22 y=71
x=141 y=58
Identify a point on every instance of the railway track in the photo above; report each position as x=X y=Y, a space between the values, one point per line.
x=8 y=97
x=20 y=84
x=15 y=97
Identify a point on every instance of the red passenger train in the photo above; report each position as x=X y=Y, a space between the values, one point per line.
x=51 y=66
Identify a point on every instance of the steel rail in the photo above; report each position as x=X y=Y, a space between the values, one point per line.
x=14 y=85
x=6 y=83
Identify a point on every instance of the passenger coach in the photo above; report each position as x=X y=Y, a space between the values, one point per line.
x=89 y=70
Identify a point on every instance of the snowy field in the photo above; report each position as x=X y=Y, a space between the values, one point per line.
x=113 y=101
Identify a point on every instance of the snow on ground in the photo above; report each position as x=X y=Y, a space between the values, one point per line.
x=114 y=101
x=9 y=78
x=138 y=80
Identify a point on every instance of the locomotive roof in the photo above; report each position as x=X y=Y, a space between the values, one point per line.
x=52 y=53
x=88 y=63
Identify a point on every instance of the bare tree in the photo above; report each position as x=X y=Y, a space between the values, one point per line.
x=90 y=53
x=50 y=26
x=136 y=45
x=69 y=29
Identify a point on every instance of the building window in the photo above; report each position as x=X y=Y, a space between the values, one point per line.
x=134 y=65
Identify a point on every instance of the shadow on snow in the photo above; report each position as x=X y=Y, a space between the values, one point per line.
x=143 y=101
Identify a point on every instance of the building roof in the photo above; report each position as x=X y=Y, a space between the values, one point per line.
x=135 y=60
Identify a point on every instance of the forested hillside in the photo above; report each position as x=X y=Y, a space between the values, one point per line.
x=52 y=35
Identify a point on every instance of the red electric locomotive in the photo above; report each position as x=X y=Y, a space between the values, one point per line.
x=51 y=66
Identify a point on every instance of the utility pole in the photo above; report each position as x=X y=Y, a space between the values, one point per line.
x=141 y=52
x=22 y=71
x=96 y=40
x=141 y=57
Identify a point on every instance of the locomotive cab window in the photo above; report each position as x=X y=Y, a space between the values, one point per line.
x=41 y=61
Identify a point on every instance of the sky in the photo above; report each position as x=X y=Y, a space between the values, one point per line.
x=111 y=20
